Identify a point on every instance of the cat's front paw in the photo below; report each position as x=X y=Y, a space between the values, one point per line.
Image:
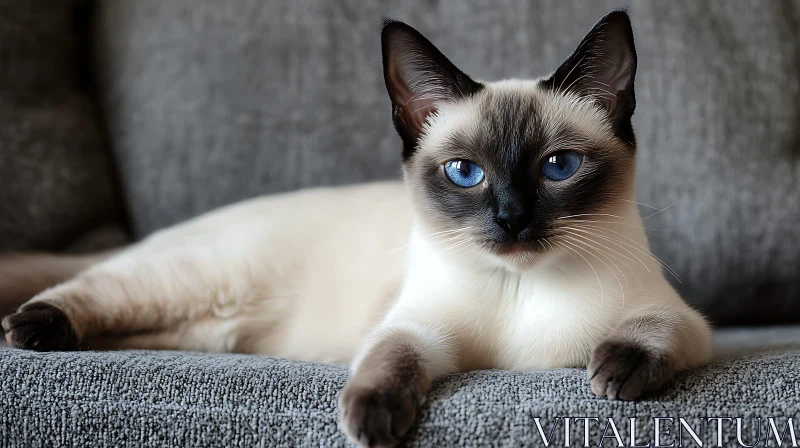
x=40 y=326
x=626 y=371
x=378 y=416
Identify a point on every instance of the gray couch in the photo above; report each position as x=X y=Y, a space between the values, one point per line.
x=120 y=117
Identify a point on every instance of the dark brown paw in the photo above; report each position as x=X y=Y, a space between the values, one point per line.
x=625 y=371
x=39 y=326
x=375 y=417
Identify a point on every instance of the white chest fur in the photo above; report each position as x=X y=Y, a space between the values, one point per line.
x=546 y=317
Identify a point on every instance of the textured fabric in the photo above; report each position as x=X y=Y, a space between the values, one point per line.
x=210 y=102
x=154 y=399
x=55 y=176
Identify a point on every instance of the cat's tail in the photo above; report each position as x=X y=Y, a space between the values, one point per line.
x=23 y=275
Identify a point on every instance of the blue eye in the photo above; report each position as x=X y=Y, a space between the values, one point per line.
x=463 y=172
x=561 y=165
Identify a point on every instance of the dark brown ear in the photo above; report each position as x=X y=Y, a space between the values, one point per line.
x=604 y=67
x=418 y=77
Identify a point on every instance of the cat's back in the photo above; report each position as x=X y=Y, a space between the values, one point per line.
x=361 y=210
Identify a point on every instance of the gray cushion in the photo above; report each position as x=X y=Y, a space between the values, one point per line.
x=55 y=175
x=155 y=399
x=210 y=102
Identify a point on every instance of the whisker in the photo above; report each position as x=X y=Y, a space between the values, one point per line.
x=473 y=249
x=654 y=214
x=444 y=232
x=606 y=247
x=615 y=222
x=448 y=231
x=448 y=238
x=599 y=283
x=592 y=214
x=641 y=249
x=642 y=204
x=574 y=243
x=483 y=254
x=456 y=244
x=635 y=275
x=612 y=240
x=647 y=230
x=435 y=238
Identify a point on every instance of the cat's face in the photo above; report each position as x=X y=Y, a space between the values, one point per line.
x=495 y=168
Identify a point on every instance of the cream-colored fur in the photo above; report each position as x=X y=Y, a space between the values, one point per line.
x=381 y=276
x=350 y=274
x=309 y=275
x=294 y=276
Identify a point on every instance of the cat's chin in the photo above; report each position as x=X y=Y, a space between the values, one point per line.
x=515 y=248
x=517 y=256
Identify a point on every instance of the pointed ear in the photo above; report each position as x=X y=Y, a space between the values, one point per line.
x=603 y=67
x=418 y=78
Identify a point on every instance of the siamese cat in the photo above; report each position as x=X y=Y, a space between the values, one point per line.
x=515 y=242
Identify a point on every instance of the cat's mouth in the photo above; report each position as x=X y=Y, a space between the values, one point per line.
x=514 y=248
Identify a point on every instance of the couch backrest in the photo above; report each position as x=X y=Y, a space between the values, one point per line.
x=56 y=179
x=210 y=102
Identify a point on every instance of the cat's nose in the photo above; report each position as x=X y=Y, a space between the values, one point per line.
x=512 y=222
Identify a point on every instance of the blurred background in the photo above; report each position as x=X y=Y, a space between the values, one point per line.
x=120 y=117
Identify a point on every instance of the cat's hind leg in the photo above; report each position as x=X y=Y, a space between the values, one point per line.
x=138 y=291
x=214 y=334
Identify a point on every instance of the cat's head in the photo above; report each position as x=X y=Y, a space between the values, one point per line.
x=498 y=165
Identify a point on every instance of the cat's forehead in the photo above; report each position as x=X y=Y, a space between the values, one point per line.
x=516 y=114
